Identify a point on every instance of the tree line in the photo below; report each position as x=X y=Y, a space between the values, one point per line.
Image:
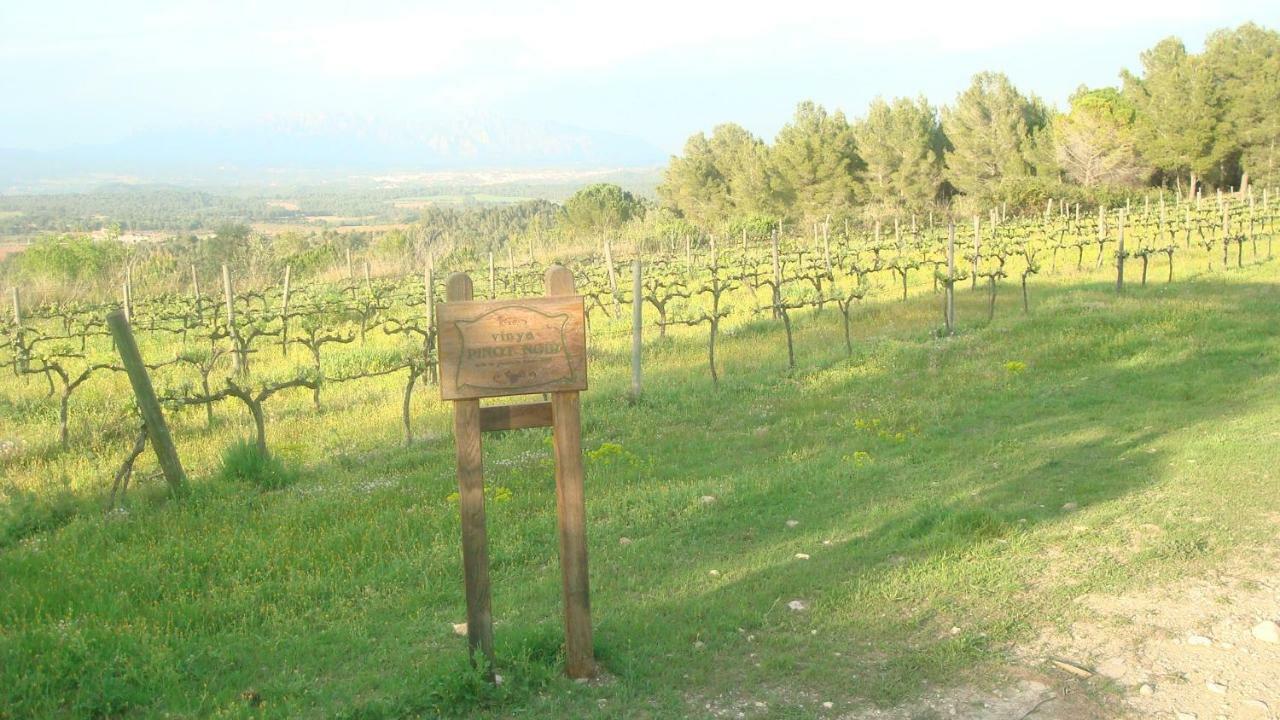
x=1184 y=122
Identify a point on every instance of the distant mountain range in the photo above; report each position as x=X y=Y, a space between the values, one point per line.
x=324 y=145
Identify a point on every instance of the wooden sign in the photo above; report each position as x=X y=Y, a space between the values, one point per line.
x=512 y=347
x=519 y=347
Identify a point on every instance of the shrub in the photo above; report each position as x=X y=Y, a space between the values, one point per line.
x=245 y=462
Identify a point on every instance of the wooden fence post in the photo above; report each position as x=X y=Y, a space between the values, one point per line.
x=157 y=430
x=571 y=501
x=475 y=541
x=637 y=320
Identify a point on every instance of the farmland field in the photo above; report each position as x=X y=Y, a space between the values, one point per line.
x=883 y=519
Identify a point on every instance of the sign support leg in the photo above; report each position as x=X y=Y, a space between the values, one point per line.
x=572 y=515
x=475 y=542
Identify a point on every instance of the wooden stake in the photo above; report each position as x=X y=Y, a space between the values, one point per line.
x=977 y=251
x=195 y=292
x=231 y=319
x=284 y=314
x=637 y=320
x=157 y=430
x=1120 y=255
x=950 y=309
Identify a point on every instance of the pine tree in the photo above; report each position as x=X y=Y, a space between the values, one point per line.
x=816 y=163
x=990 y=128
x=1179 y=113
x=901 y=144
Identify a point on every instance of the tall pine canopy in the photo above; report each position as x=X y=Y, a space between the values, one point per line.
x=990 y=128
x=1179 y=113
x=816 y=162
x=901 y=144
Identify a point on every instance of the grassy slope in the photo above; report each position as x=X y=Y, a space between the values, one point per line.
x=928 y=478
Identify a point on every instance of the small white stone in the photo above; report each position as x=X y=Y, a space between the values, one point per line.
x=707 y=499
x=1214 y=687
x=699 y=645
x=828 y=705
x=1267 y=631
x=1146 y=690
x=1185 y=716
x=1070 y=506
x=1199 y=640
x=802 y=556
x=798 y=605
x=714 y=573
x=497 y=679
x=1258 y=705
x=792 y=523
x=460 y=629
x=955 y=630
x=624 y=541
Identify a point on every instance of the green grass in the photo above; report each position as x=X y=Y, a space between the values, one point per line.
x=928 y=478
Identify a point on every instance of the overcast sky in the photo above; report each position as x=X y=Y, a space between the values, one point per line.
x=90 y=72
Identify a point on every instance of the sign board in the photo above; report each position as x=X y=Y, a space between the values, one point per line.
x=491 y=348
x=519 y=347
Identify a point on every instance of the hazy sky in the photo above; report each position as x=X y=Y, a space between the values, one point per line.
x=94 y=71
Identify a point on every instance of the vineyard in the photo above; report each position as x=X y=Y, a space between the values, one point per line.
x=325 y=380
x=248 y=345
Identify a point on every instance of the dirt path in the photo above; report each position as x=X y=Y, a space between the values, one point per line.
x=1203 y=648
x=1207 y=648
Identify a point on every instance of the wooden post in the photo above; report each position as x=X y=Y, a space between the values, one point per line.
x=950 y=309
x=17 y=307
x=231 y=319
x=977 y=250
x=637 y=320
x=613 y=275
x=128 y=291
x=475 y=541
x=195 y=292
x=351 y=274
x=1120 y=255
x=284 y=314
x=493 y=282
x=157 y=430
x=777 y=276
x=368 y=282
x=124 y=301
x=571 y=502
x=826 y=247
x=428 y=283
